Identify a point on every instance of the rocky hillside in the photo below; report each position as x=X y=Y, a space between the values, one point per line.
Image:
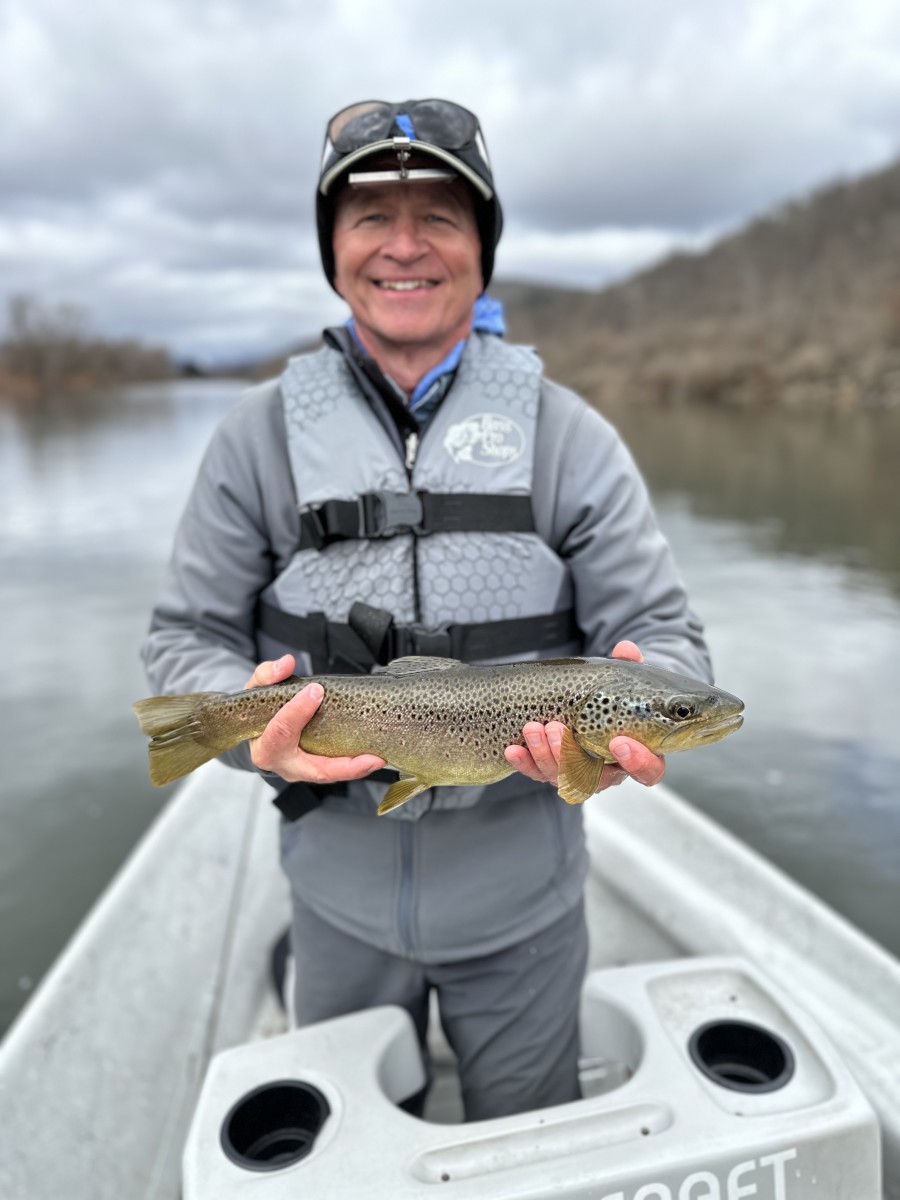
x=800 y=307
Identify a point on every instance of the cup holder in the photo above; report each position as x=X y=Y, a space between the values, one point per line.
x=741 y=1056
x=274 y=1126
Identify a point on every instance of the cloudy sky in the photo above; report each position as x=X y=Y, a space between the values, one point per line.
x=158 y=158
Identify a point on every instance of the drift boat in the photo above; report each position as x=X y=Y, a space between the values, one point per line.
x=739 y=1038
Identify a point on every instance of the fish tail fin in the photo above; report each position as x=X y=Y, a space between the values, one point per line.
x=177 y=744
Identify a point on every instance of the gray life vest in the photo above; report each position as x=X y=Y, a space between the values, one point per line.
x=436 y=555
x=424 y=556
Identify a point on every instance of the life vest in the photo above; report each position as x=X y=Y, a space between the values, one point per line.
x=427 y=548
x=424 y=548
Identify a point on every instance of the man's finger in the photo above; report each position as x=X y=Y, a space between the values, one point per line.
x=555 y=731
x=317 y=768
x=611 y=776
x=284 y=730
x=627 y=650
x=271 y=672
x=540 y=750
x=640 y=763
x=352 y=768
x=519 y=757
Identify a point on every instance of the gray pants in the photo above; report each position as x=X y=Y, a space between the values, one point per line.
x=510 y=1017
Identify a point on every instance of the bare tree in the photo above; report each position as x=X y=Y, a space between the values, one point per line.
x=48 y=350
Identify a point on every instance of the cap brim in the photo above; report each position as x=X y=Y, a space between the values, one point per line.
x=343 y=165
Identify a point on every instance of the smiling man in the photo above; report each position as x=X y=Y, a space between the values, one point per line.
x=417 y=487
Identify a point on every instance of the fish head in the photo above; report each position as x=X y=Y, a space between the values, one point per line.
x=663 y=710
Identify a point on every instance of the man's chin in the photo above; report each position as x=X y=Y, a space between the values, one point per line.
x=411 y=330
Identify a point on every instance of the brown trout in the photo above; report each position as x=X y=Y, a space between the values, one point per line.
x=441 y=722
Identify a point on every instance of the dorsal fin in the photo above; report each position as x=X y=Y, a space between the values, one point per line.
x=414 y=664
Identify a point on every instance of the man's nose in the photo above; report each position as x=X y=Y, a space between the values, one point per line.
x=405 y=240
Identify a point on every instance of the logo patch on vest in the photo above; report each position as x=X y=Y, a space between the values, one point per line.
x=485 y=439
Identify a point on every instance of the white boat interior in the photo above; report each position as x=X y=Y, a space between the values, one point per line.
x=159 y=1022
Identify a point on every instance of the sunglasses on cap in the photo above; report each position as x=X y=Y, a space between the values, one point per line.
x=440 y=125
x=439 y=122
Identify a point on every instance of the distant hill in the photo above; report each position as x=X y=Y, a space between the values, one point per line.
x=800 y=307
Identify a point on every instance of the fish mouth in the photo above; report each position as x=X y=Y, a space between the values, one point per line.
x=713 y=732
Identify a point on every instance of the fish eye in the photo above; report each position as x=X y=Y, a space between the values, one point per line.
x=681 y=709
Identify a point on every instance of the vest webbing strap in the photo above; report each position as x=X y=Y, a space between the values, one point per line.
x=300 y=798
x=371 y=637
x=386 y=514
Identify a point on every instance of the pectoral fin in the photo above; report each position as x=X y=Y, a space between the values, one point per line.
x=398 y=793
x=579 y=772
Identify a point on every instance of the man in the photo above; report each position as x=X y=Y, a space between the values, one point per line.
x=418 y=487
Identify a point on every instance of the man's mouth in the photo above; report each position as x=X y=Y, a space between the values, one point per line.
x=404 y=285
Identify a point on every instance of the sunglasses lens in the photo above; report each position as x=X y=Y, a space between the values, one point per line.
x=359 y=125
x=443 y=124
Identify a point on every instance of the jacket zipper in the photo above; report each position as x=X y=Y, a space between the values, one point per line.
x=412 y=449
x=405 y=896
x=408 y=828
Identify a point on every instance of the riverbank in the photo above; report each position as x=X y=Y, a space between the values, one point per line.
x=49 y=360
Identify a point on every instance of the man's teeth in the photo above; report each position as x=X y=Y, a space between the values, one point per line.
x=404 y=285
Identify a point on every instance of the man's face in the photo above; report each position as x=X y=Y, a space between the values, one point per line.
x=408 y=262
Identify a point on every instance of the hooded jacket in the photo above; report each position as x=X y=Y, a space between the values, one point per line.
x=448 y=876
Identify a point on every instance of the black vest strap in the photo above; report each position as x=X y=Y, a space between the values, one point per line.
x=386 y=514
x=371 y=637
x=298 y=799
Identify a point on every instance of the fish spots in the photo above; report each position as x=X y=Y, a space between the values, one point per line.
x=463 y=715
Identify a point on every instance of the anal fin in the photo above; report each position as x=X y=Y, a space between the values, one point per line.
x=579 y=772
x=398 y=793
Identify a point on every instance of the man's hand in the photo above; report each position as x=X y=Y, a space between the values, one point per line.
x=277 y=748
x=539 y=758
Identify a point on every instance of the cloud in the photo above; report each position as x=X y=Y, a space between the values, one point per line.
x=162 y=161
x=587 y=259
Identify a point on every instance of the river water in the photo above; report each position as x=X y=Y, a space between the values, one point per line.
x=787 y=532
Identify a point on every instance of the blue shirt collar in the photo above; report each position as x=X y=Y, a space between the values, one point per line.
x=487 y=317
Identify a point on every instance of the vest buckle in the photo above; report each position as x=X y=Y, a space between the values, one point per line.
x=416 y=639
x=385 y=514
